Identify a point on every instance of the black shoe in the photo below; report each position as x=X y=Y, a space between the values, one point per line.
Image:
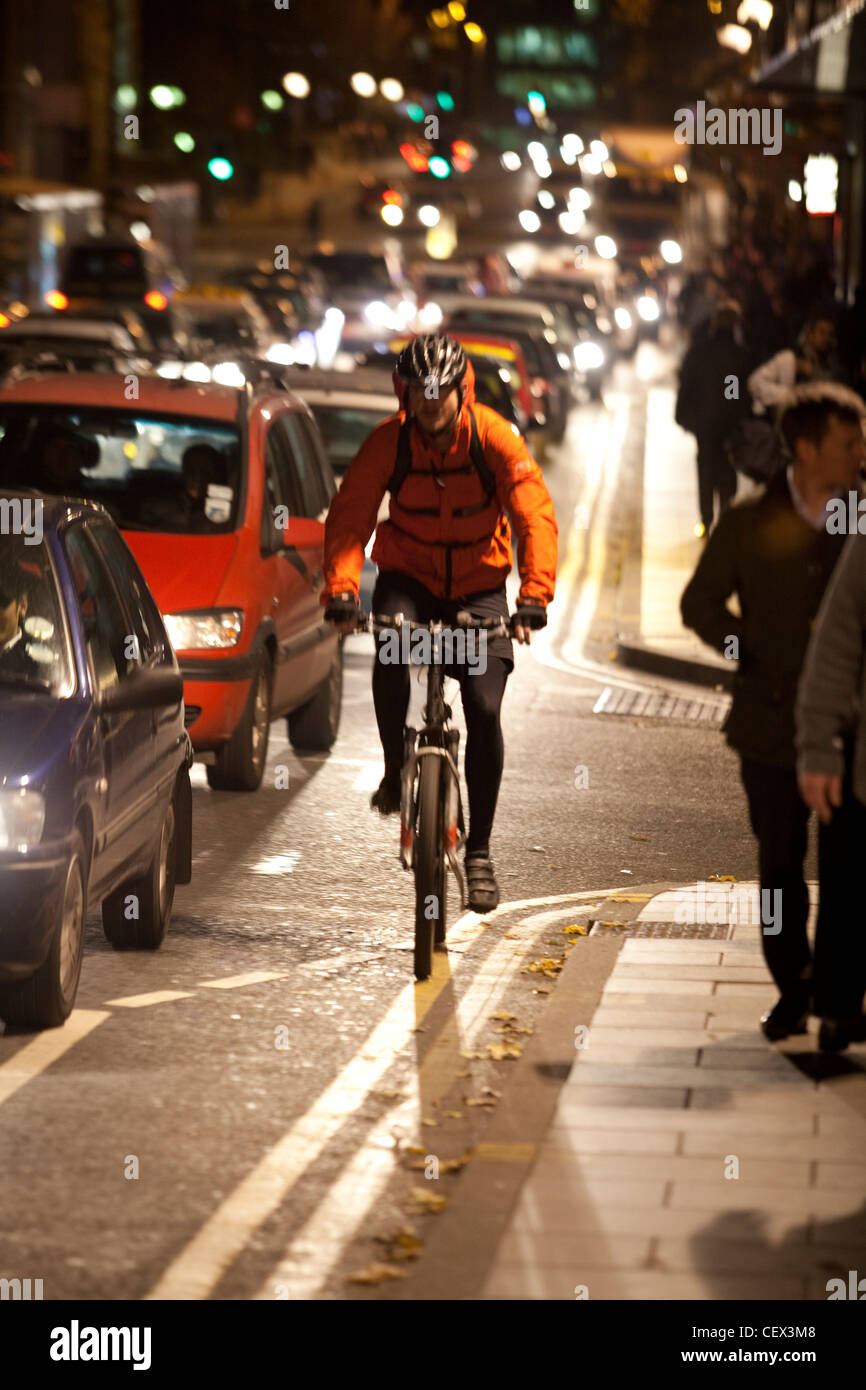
x=786 y=1018
x=386 y=798
x=483 y=888
x=835 y=1034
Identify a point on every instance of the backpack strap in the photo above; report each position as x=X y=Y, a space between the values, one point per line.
x=403 y=462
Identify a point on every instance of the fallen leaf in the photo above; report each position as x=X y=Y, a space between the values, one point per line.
x=429 y=1201
x=446 y=1165
x=576 y=929
x=414 y=1149
x=504 y=1014
x=722 y=878
x=536 y=849
x=554 y=866
x=375 y=1274
x=478 y=1100
x=463 y=1073
x=431 y=1124
x=473 y=1055
x=613 y=924
x=453 y=1114
x=390 y=1095
x=546 y=966
x=504 y=1052
x=404 y=1244
x=543 y=990
x=489 y=1091
x=641 y=837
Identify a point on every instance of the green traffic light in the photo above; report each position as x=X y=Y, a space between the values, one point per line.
x=184 y=141
x=445 y=100
x=439 y=167
x=220 y=168
x=415 y=112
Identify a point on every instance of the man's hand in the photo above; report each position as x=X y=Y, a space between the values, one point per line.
x=529 y=618
x=343 y=610
x=821 y=791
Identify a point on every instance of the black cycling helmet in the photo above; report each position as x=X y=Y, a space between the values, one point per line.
x=432 y=355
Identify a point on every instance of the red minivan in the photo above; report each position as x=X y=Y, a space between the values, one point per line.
x=221 y=493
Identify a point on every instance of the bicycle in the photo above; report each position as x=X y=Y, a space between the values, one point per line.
x=432 y=829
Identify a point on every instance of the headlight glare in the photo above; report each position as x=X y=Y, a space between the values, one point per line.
x=22 y=818
x=205 y=631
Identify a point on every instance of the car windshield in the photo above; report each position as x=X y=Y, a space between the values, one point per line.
x=345 y=271
x=223 y=327
x=343 y=429
x=34 y=654
x=152 y=473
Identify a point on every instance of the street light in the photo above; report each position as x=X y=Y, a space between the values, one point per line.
x=606 y=247
x=439 y=167
x=474 y=32
x=392 y=214
x=363 y=84
x=272 y=100
x=529 y=220
x=296 y=84
x=220 y=168
x=162 y=97
x=457 y=11
x=511 y=161
x=445 y=100
x=125 y=97
x=391 y=89
x=184 y=141
x=428 y=215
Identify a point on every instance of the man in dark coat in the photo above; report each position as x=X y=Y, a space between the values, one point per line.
x=711 y=399
x=776 y=551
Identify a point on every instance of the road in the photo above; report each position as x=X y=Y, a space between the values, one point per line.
x=236 y=1116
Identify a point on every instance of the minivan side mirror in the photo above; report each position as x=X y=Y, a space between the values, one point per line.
x=145 y=689
x=303 y=532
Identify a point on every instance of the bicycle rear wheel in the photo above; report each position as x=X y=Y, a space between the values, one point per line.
x=429 y=864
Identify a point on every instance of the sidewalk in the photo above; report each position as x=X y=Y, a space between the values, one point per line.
x=669 y=551
x=688 y=1158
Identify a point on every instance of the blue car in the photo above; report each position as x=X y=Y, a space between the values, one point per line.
x=95 y=798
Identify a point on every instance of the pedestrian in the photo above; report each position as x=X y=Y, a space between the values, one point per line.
x=813 y=358
x=709 y=406
x=831 y=763
x=775 y=552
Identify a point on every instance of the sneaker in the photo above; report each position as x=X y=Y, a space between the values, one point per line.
x=786 y=1018
x=482 y=885
x=386 y=797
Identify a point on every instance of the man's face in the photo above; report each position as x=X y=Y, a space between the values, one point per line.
x=436 y=414
x=11 y=614
x=821 y=335
x=836 y=461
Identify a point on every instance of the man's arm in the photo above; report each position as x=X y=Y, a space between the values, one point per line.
x=354 y=508
x=770 y=383
x=704 y=604
x=829 y=687
x=523 y=494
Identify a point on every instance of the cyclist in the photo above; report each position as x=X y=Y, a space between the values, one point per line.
x=453 y=469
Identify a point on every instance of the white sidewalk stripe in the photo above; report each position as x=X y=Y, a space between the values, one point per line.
x=37 y=1056
x=255 y=977
x=142 y=1001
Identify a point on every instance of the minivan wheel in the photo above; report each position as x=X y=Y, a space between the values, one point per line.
x=144 y=929
x=314 y=727
x=240 y=763
x=45 y=1000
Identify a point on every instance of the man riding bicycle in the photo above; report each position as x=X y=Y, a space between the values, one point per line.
x=453 y=469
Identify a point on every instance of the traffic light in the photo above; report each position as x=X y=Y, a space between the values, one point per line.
x=439 y=167
x=220 y=168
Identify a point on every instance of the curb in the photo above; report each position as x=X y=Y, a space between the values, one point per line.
x=643 y=658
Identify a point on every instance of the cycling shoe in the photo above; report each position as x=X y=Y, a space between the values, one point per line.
x=483 y=888
x=386 y=798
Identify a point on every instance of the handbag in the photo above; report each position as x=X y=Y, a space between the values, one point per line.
x=755 y=449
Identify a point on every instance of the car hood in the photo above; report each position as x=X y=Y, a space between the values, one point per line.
x=35 y=730
x=183 y=572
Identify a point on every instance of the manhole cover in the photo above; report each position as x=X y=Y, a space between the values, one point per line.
x=659 y=704
x=690 y=931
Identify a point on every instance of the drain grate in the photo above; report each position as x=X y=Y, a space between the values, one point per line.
x=688 y=931
x=654 y=704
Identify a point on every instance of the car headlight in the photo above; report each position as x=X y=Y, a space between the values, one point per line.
x=431 y=314
x=379 y=314
x=588 y=357
x=228 y=374
x=22 y=817
x=205 y=631
x=280 y=353
x=648 y=308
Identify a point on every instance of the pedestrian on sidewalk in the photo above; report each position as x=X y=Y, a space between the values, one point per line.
x=813 y=358
x=774 y=551
x=831 y=764
x=709 y=406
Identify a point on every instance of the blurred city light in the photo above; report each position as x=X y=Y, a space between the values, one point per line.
x=569 y=222
x=140 y=231
x=220 y=168
x=671 y=251
x=599 y=149
x=125 y=97
x=623 y=317
x=457 y=11
x=391 y=195
x=606 y=247
x=821 y=180
x=296 y=84
x=439 y=167
x=56 y=299
x=178 y=96
x=648 y=308
x=511 y=160
x=445 y=100
x=580 y=197
x=161 y=97
x=363 y=83
x=431 y=314
x=474 y=32
x=608 y=168
x=536 y=103
x=589 y=164
x=155 y=299
x=573 y=142
x=440 y=18
x=795 y=191
x=392 y=214
x=568 y=154
x=546 y=199
x=391 y=89
x=529 y=220
x=522 y=115
x=415 y=112
x=272 y=100
x=681 y=173
x=184 y=141
x=761 y=11
x=428 y=215
x=734 y=36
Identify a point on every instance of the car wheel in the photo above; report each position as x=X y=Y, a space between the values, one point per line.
x=314 y=727
x=153 y=893
x=240 y=764
x=45 y=1000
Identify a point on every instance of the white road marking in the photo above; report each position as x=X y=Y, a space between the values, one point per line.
x=36 y=1056
x=200 y=1266
x=255 y=977
x=141 y=1001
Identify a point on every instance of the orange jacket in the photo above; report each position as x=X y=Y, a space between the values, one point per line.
x=451 y=555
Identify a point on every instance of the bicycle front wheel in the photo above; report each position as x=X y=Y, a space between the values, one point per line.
x=429 y=863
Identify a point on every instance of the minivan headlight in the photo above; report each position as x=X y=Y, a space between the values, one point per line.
x=209 y=630
x=22 y=817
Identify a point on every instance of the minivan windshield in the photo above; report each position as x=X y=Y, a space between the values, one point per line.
x=153 y=473
x=348 y=269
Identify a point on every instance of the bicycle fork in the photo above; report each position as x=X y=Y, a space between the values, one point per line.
x=453 y=829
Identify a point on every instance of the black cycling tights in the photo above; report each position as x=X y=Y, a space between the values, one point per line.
x=485 y=750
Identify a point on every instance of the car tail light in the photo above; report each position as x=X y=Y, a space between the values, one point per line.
x=155 y=299
x=56 y=299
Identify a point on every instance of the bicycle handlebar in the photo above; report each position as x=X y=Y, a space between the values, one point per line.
x=379 y=622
